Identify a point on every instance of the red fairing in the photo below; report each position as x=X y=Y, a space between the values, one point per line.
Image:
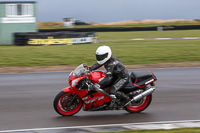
x=97 y=76
x=68 y=89
x=89 y=102
x=97 y=100
x=74 y=80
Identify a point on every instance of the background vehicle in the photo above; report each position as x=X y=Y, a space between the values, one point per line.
x=70 y=22
x=71 y=99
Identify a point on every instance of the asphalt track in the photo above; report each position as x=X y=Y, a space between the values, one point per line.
x=26 y=101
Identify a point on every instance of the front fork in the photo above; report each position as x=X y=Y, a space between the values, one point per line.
x=70 y=90
x=73 y=100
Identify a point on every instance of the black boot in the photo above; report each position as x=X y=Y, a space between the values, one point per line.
x=124 y=98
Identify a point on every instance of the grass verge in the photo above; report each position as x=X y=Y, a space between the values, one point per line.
x=129 y=52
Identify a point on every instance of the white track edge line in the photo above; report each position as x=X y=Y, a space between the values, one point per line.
x=91 y=126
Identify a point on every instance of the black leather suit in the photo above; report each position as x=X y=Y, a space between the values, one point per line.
x=115 y=70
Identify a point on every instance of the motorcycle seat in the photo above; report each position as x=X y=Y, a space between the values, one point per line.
x=137 y=79
x=140 y=75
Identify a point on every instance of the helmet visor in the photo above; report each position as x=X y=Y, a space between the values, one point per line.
x=101 y=57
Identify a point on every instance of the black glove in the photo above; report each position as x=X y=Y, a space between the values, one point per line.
x=95 y=86
x=90 y=69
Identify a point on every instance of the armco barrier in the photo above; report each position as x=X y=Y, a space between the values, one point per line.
x=114 y=29
x=54 y=38
x=102 y=29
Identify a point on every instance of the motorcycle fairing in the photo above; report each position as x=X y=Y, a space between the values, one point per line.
x=73 y=80
x=97 y=76
x=98 y=99
x=69 y=90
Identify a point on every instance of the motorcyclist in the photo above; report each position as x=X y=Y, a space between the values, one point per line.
x=114 y=70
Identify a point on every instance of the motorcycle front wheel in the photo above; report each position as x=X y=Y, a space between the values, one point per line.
x=139 y=106
x=67 y=104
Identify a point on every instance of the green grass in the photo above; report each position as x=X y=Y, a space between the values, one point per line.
x=148 y=34
x=180 y=130
x=129 y=52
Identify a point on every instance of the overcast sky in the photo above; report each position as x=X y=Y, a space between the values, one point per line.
x=116 y=10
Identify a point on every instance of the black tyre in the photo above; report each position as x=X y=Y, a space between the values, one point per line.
x=62 y=101
x=139 y=106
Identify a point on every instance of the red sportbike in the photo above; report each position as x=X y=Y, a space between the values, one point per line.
x=80 y=93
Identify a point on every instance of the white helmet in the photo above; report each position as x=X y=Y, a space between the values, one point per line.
x=103 y=54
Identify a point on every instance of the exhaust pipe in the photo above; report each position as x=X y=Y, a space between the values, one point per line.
x=143 y=94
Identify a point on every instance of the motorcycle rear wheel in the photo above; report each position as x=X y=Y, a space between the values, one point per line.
x=62 y=101
x=140 y=105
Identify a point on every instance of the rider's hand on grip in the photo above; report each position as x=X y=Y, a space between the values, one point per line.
x=89 y=69
x=95 y=86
